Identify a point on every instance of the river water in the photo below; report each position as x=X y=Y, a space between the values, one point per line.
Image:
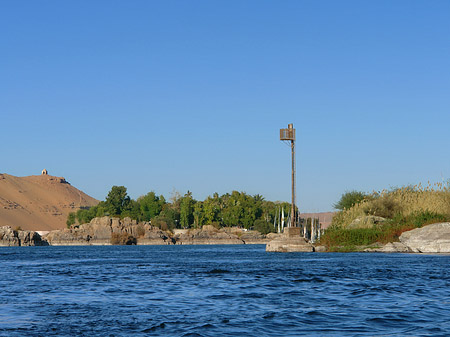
x=220 y=291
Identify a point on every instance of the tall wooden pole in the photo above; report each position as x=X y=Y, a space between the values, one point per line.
x=293 y=184
x=289 y=135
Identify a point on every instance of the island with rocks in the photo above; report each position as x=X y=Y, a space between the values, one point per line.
x=115 y=231
x=47 y=210
x=411 y=219
x=433 y=238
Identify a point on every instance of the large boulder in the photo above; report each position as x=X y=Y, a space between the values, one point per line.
x=31 y=238
x=68 y=237
x=366 y=221
x=107 y=230
x=253 y=237
x=102 y=221
x=433 y=238
x=11 y=237
x=394 y=247
x=8 y=237
x=207 y=236
x=152 y=235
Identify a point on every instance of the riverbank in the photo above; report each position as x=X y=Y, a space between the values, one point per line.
x=115 y=231
x=434 y=238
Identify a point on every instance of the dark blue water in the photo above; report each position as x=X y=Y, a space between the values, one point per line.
x=219 y=291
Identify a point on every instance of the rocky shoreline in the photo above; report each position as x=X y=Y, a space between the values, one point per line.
x=110 y=231
x=106 y=230
x=430 y=239
x=11 y=237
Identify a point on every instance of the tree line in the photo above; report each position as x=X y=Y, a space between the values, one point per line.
x=183 y=211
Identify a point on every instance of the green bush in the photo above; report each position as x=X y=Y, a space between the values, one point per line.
x=263 y=226
x=419 y=219
x=71 y=219
x=351 y=237
x=349 y=199
x=162 y=222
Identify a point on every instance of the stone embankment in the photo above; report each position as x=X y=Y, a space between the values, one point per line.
x=289 y=242
x=11 y=237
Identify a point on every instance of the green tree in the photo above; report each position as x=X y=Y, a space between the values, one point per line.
x=199 y=215
x=263 y=226
x=232 y=211
x=86 y=215
x=349 y=199
x=187 y=210
x=117 y=200
x=211 y=209
x=100 y=209
x=150 y=206
x=169 y=215
x=269 y=211
x=71 y=219
x=132 y=210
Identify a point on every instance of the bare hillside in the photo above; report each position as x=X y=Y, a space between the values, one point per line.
x=324 y=217
x=39 y=203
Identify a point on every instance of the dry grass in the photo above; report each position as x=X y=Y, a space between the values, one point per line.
x=122 y=239
x=140 y=231
x=401 y=202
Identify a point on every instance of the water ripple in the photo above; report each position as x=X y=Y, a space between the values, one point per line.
x=219 y=290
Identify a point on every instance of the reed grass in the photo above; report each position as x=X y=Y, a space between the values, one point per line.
x=401 y=202
x=404 y=208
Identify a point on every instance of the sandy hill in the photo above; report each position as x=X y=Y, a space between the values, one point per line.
x=39 y=203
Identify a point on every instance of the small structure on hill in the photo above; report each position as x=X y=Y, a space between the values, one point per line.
x=44 y=172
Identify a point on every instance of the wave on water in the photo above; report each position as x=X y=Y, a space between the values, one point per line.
x=219 y=291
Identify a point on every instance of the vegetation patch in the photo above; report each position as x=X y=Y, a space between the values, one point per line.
x=397 y=203
x=402 y=209
x=183 y=211
x=140 y=231
x=122 y=239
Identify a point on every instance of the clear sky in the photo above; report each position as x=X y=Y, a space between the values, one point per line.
x=190 y=95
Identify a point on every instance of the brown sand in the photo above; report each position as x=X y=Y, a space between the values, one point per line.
x=39 y=203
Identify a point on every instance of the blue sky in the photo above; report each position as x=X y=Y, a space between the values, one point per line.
x=190 y=95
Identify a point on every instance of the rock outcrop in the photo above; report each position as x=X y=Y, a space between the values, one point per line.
x=289 y=242
x=433 y=238
x=208 y=235
x=109 y=231
x=105 y=230
x=394 y=247
x=366 y=221
x=10 y=237
x=254 y=237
